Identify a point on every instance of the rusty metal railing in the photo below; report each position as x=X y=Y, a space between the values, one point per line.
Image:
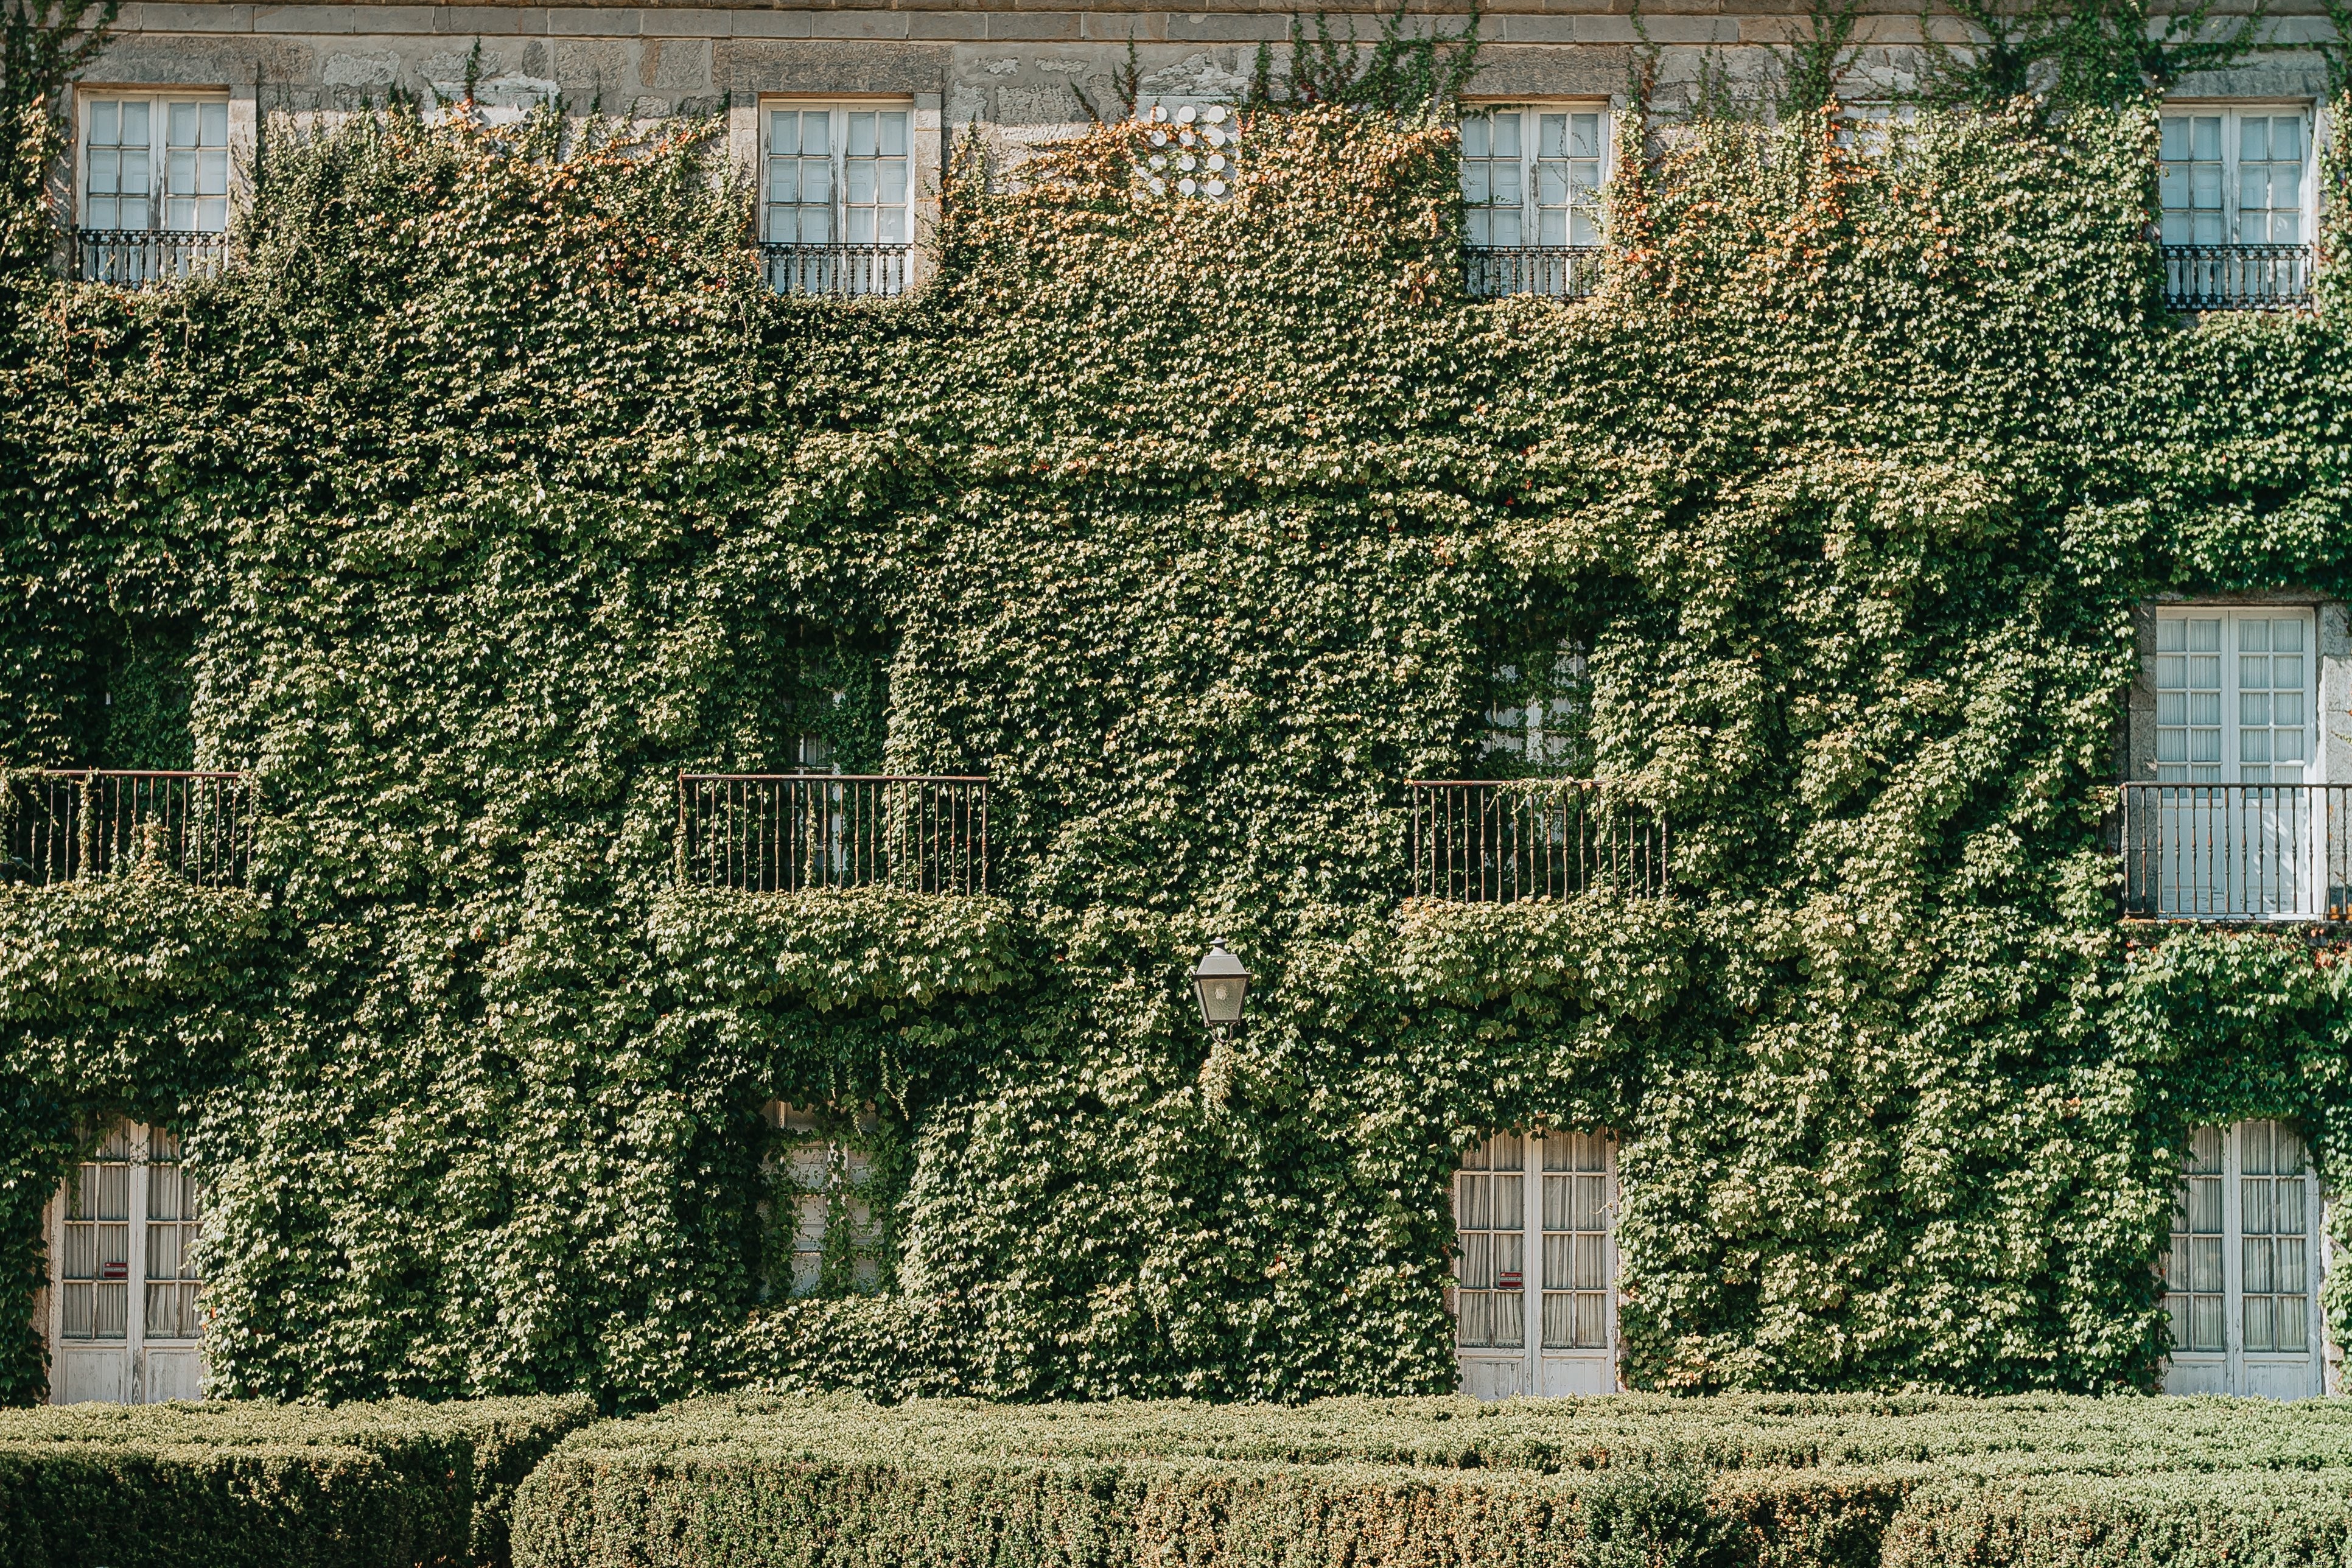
x=780 y=833
x=2236 y=852
x=1485 y=840
x=94 y=822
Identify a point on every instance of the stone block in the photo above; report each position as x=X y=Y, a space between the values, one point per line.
x=769 y=23
x=1117 y=27
x=949 y=27
x=359 y=68
x=617 y=22
x=676 y=65
x=685 y=21
x=489 y=21
x=858 y=24
x=1220 y=28
x=184 y=19
x=1056 y=105
x=591 y=64
x=343 y=19
x=1534 y=29
x=1047 y=26
x=822 y=66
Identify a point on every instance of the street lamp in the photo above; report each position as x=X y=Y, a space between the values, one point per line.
x=1223 y=986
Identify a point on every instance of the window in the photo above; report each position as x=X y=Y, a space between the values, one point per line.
x=157 y=163
x=2232 y=176
x=1533 y=1248
x=1532 y=176
x=94 y=1264
x=838 y=177
x=821 y=1220
x=125 y=1315
x=2241 y=1278
x=2232 y=696
x=1531 y=194
x=154 y=186
x=2228 y=831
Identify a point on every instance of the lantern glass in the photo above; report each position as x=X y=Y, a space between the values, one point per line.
x=1222 y=985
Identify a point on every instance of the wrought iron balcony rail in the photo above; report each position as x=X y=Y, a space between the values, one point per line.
x=60 y=825
x=1563 y=271
x=782 y=833
x=2236 y=277
x=839 y=269
x=140 y=258
x=1487 y=840
x=2237 y=852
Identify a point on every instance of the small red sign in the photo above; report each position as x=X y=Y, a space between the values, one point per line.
x=114 y=1272
x=1508 y=1279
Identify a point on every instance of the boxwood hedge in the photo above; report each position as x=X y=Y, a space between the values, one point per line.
x=1779 y=1480
x=359 y=1486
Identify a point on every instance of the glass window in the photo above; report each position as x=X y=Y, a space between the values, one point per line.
x=1576 y=1239
x=1532 y=176
x=1490 y=1229
x=2231 y=176
x=2193 y=1278
x=838 y=174
x=138 y=149
x=174 y=1214
x=94 y=1269
x=2233 y=697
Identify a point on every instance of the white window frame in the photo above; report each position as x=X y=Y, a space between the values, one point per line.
x=140 y=1368
x=839 y=109
x=1502 y=1372
x=2232 y=113
x=159 y=101
x=1530 y=113
x=2234 y=1370
x=2231 y=766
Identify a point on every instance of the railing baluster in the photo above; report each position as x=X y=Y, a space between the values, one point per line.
x=788 y=832
x=1487 y=840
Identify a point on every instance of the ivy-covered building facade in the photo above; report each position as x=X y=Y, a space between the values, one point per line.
x=643 y=646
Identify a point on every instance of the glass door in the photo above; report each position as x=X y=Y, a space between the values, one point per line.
x=124 y=1321
x=1534 y=1297
x=2242 y=1276
x=2236 y=724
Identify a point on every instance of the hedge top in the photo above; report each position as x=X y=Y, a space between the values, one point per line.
x=1987 y=1437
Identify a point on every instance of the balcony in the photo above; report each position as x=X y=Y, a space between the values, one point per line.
x=786 y=833
x=2237 y=852
x=836 y=270
x=140 y=258
x=1490 y=840
x=2237 y=277
x=63 y=825
x=1561 y=271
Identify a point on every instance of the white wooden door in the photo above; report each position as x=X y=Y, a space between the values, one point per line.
x=2241 y=1278
x=1533 y=1300
x=125 y=1324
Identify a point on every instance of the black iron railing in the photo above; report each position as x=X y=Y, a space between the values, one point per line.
x=2236 y=277
x=1482 y=840
x=136 y=257
x=2237 y=852
x=780 y=833
x=60 y=825
x=836 y=269
x=1566 y=271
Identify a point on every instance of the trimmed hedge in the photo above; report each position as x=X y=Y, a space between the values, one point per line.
x=1793 y=1482
x=387 y=1485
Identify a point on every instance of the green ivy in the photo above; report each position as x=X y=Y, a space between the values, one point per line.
x=493 y=489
